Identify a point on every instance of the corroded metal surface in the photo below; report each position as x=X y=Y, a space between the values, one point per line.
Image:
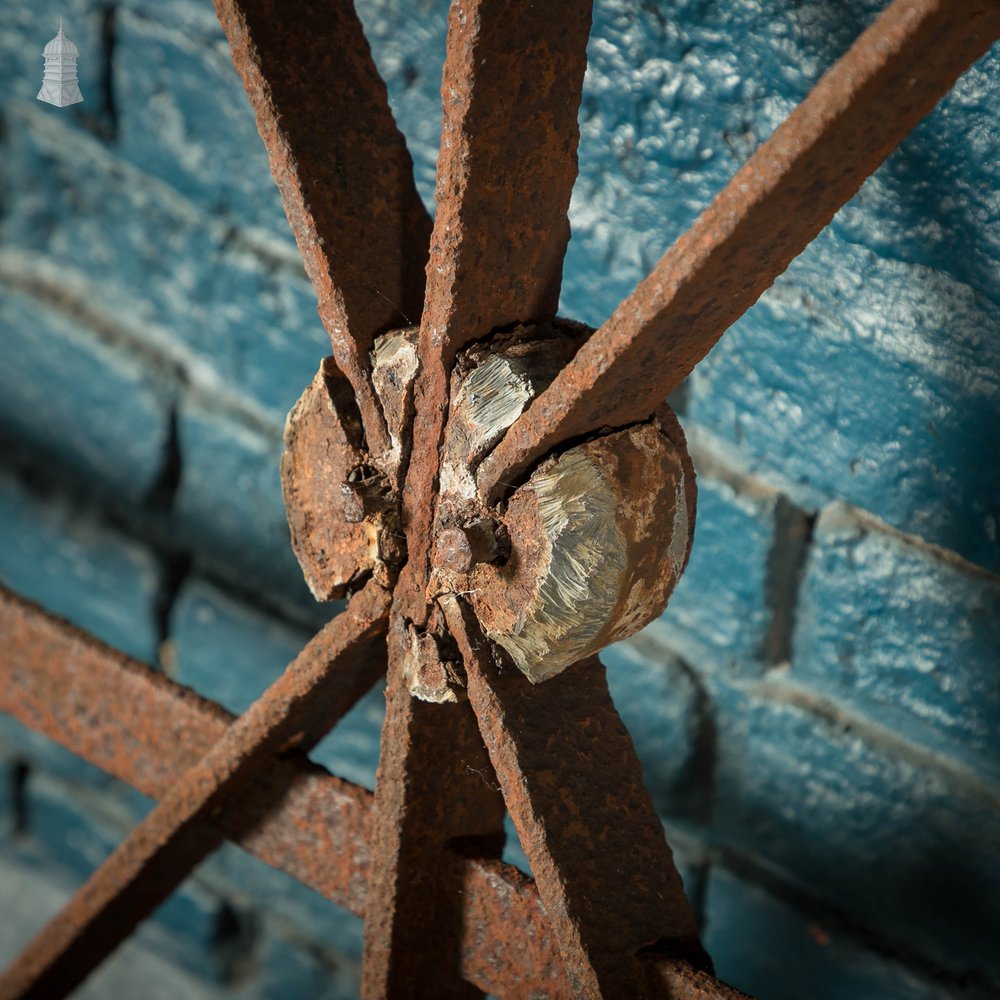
x=345 y=175
x=317 y=688
x=599 y=536
x=512 y=79
x=609 y=916
x=767 y=214
x=510 y=92
x=134 y=723
x=573 y=786
x=324 y=445
x=434 y=786
x=146 y=730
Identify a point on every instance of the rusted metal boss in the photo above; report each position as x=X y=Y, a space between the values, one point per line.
x=585 y=552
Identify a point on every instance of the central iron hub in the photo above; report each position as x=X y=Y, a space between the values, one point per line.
x=585 y=552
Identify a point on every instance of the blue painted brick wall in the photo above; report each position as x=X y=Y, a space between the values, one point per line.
x=779 y=950
x=817 y=710
x=904 y=633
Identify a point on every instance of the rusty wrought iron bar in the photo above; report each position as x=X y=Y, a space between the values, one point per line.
x=435 y=787
x=343 y=170
x=134 y=723
x=510 y=92
x=773 y=207
x=314 y=691
x=144 y=729
x=573 y=785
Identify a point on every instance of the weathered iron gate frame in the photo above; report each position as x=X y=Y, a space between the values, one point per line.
x=511 y=88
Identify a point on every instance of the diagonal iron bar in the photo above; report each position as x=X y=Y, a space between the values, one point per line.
x=573 y=785
x=776 y=204
x=133 y=722
x=315 y=690
x=143 y=728
x=345 y=175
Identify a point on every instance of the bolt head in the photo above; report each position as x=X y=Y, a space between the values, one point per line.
x=453 y=551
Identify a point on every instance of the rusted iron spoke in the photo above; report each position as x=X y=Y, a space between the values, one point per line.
x=343 y=170
x=768 y=213
x=510 y=93
x=134 y=723
x=435 y=786
x=315 y=690
x=146 y=730
x=573 y=785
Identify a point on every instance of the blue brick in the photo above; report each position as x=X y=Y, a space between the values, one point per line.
x=233 y=311
x=184 y=116
x=128 y=247
x=408 y=45
x=351 y=749
x=770 y=949
x=142 y=967
x=665 y=710
x=70 y=834
x=798 y=377
x=252 y=883
x=290 y=970
x=718 y=617
x=70 y=562
x=676 y=103
x=210 y=150
x=906 y=634
x=847 y=814
x=231 y=652
x=229 y=507
x=225 y=649
x=79 y=402
x=265 y=310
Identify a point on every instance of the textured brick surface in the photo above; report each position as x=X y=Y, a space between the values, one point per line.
x=879 y=387
x=68 y=832
x=184 y=117
x=74 y=565
x=718 y=617
x=143 y=967
x=77 y=401
x=768 y=947
x=231 y=652
x=229 y=309
x=662 y=703
x=907 y=635
x=857 y=819
x=225 y=649
x=289 y=969
x=673 y=103
x=229 y=509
